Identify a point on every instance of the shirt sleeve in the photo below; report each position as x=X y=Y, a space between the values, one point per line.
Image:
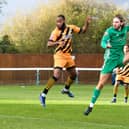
x=53 y=36
x=105 y=39
x=75 y=28
x=127 y=27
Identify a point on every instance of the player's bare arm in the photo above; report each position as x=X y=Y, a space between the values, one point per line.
x=53 y=44
x=86 y=24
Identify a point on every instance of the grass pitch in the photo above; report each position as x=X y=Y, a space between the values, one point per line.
x=20 y=109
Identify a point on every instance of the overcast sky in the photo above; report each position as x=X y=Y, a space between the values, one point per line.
x=26 y=6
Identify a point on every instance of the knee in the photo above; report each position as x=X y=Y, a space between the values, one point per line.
x=56 y=74
x=100 y=85
x=56 y=77
x=116 y=84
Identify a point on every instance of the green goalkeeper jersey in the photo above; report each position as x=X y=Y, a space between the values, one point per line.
x=117 y=40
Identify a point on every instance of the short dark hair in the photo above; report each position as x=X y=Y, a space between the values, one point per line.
x=120 y=17
x=62 y=16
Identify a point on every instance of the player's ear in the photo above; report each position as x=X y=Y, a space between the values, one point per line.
x=122 y=24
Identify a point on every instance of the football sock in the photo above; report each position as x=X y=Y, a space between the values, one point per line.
x=126 y=92
x=126 y=97
x=95 y=96
x=115 y=90
x=49 y=84
x=68 y=83
x=115 y=95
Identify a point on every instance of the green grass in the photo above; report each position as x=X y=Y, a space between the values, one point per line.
x=20 y=109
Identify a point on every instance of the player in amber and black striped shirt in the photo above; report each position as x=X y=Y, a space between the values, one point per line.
x=122 y=77
x=61 y=38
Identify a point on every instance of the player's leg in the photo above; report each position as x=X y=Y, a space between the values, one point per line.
x=59 y=63
x=56 y=75
x=70 y=65
x=106 y=71
x=115 y=91
x=126 y=84
x=49 y=84
x=113 y=78
x=126 y=93
x=102 y=80
x=71 y=78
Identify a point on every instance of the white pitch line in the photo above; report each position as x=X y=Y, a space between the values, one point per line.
x=83 y=122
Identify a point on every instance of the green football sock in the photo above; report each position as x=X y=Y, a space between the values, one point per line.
x=95 y=95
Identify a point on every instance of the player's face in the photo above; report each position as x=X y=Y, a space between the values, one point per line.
x=126 y=49
x=116 y=23
x=59 y=22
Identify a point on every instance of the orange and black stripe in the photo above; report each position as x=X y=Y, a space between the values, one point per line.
x=64 y=35
x=125 y=71
x=68 y=42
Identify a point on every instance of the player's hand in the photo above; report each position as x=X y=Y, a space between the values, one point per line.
x=62 y=44
x=109 y=45
x=88 y=20
x=117 y=70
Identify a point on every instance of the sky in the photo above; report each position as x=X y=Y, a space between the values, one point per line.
x=26 y=6
x=122 y=3
x=23 y=6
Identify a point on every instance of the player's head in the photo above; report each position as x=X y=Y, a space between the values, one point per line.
x=126 y=48
x=60 y=21
x=118 y=21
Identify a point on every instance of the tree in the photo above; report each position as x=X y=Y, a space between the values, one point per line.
x=30 y=33
x=6 y=46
